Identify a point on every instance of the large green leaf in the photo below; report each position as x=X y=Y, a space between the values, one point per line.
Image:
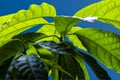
x=107 y=11
x=29 y=67
x=25 y=19
x=103 y=45
x=98 y=70
x=73 y=38
x=64 y=24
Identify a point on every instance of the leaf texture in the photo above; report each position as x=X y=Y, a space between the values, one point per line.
x=5 y=20
x=73 y=38
x=26 y=19
x=107 y=11
x=103 y=45
x=64 y=24
x=30 y=67
x=58 y=48
x=50 y=31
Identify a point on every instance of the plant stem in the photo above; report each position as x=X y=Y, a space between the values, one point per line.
x=59 y=62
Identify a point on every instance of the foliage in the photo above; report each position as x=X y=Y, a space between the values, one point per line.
x=55 y=48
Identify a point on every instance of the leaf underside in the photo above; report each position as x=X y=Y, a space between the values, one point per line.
x=107 y=11
x=103 y=45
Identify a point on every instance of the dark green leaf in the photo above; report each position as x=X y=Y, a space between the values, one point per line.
x=30 y=37
x=11 y=70
x=67 y=64
x=70 y=65
x=98 y=70
x=10 y=49
x=4 y=67
x=58 y=48
x=31 y=67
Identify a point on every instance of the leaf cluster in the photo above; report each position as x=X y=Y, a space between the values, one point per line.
x=58 y=48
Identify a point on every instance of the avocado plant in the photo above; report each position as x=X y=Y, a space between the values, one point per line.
x=58 y=48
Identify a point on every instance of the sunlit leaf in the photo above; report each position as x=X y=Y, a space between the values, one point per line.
x=73 y=38
x=103 y=45
x=50 y=31
x=4 y=20
x=64 y=24
x=107 y=11
x=26 y=19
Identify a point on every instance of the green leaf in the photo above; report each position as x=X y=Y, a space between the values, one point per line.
x=30 y=37
x=5 y=20
x=73 y=38
x=44 y=53
x=98 y=70
x=68 y=65
x=16 y=45
x=103 y=45
x=64 y=24
x=81 y=63
x=58 y=48
x=10 y=49
x=55 y=67
x=26 y=19
x=50 y=31
x=4 y=67
x=55 y=75
x=107 y=11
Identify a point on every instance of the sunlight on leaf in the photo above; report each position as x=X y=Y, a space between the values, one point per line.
x=107 y=11
x=73 y=38
x=103 y=45
x=50 y=31
x=64 y=24
x=26 y=19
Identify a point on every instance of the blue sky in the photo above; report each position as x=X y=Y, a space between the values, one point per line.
x=63 y=7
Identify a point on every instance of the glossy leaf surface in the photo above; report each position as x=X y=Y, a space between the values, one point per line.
x=31 y=67
x=58 y=48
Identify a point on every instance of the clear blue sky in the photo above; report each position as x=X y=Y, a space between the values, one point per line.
x=63 y=7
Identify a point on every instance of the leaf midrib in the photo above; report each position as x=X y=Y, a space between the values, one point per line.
x=97 y=44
